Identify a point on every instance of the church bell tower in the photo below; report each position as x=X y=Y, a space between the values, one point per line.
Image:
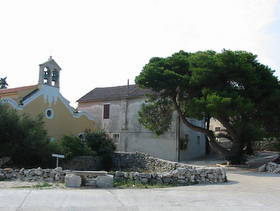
x=49 y=73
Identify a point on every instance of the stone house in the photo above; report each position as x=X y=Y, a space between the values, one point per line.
x=115 y=109
x=45 y=98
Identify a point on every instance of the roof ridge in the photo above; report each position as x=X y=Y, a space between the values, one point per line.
x=17 y=88
x=114 y=93
x=115 y=86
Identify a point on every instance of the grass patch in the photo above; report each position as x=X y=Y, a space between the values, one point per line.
x=137 y=185
x=23 y=186
x=43 y=185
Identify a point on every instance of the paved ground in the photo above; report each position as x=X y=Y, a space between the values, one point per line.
x=245 y=191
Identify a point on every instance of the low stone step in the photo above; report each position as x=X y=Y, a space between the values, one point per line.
x=90 y=173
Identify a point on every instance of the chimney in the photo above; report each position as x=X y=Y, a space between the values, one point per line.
x=127 y=93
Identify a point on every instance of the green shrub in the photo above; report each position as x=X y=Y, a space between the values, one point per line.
x=102 y=144
x=23 y=138
x=94 y=143
x=72 y=146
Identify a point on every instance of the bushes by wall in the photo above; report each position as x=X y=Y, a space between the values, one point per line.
x=23 y=138
x=102 y=144
x=72 y=146
x=93 y=143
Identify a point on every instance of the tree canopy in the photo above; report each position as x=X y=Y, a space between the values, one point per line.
x=231 y=86
x=3 y=83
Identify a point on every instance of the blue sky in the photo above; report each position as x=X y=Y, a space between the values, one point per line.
x=104 y=43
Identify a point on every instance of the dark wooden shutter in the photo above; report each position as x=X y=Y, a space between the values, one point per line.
x=106 y=112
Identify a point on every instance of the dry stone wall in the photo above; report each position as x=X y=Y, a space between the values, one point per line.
x=138 y=167
x=139 y=161
x=31 y=175
x=158 y=171
x=180 y=176
x=270 y=167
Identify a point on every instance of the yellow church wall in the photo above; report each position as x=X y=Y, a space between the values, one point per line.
x=63 y=122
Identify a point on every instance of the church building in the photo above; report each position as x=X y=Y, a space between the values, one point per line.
x=45 y=99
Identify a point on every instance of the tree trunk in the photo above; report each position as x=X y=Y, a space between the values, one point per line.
x=207 y=144
x=212 y=139
x=249 y=148
x=236 y=155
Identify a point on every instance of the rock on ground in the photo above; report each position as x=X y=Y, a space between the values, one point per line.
x=104 y=181
x=72 y=180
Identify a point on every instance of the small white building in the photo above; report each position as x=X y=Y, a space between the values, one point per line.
x=115 y=110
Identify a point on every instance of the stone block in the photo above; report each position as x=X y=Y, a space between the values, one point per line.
x=38 y=171
x=90 y=182
x=72 y=180
x=192 y=178
x=104 y=181
x=57 y=177
x=166 y=180
x=181 y=181
x=2 y=176
x=277 y=170
x=119 y=174
x=145 y=175
x=58 y=169
x=262 y=168
x=144 y=180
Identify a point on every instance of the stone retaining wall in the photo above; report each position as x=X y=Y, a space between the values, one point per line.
x=179 y=176
x=157 y=171
x=163 y=171
x=139 y=161
x=31 y=175
x=270 y=167
x=71 y=178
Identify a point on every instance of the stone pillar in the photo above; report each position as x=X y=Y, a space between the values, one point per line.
x=56 y=84
x=41 y=75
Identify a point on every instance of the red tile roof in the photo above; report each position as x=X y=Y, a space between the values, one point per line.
x=17 y=89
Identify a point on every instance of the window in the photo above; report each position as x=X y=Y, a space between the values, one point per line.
x=116 y=138
x=47 y=73
x=183 y=142
x=106 y=111
x=52 y=139
x=55 y=75
x=82 y=137
x=198 y=139
x=217 y=128
x=49 y=113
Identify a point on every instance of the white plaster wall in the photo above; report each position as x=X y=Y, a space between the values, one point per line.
x=143 y=140
x=133 y=136
x=93 y=108
x=194 y=149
